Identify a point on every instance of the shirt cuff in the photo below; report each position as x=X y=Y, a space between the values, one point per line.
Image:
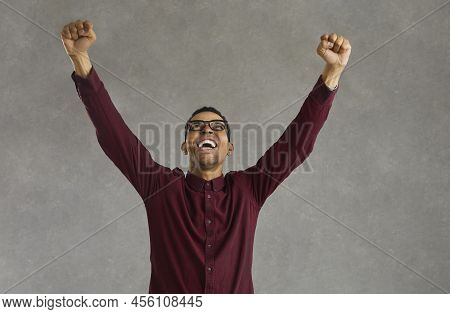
x=91 y=82
x=321 y=93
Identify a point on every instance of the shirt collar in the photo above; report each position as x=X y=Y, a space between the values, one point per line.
x=198 y=183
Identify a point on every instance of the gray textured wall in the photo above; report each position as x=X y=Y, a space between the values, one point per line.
x=371 y=217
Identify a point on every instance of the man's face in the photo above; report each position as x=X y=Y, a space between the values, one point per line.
x=200 y=154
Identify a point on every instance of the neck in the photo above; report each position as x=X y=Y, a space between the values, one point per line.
x=206 y=174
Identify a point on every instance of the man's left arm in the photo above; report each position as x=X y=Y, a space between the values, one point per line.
x=297 y=141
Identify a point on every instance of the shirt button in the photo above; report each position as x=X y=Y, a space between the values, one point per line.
x=208 y=221
x=209 y=245
x=209 y=196
x=207 y=184
x=209 y=268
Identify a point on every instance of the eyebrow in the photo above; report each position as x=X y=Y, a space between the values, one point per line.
x=206 y=120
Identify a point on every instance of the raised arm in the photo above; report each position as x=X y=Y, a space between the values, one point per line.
x=297 y=141
x=115 y=138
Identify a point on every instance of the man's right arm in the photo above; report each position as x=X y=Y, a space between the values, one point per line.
x=122 y=147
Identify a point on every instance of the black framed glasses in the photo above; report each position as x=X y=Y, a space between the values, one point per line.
x=215 y=125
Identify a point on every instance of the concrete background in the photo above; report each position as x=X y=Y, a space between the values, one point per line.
x=373 y=215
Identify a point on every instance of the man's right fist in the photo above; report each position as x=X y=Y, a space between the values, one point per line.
x=77 y=37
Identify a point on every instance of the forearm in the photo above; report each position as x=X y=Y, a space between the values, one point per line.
x=294 y=145
x=331 y=75
x=81 y=64
x=122 y=147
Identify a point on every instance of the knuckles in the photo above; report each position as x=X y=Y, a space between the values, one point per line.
x=78 y=25
x=336 y=39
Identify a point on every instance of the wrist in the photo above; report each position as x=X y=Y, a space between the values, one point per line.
x=79 y=55
x=331 y=75
x=81 y=63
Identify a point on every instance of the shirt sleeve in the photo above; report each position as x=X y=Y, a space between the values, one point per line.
x=293 y=146
x=122 y=147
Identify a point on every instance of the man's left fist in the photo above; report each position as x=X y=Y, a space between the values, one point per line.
x=334 y=49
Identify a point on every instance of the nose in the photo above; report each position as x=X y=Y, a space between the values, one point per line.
x=206 y=129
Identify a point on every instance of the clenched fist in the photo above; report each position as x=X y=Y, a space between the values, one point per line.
x=334 y=49
x=77 y=37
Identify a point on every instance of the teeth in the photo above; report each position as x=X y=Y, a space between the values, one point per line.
x=212 y=143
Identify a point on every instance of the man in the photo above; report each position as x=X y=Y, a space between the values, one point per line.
x=202 y=224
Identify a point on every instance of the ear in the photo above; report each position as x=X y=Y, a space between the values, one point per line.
x=230 y=149
x=183 y=148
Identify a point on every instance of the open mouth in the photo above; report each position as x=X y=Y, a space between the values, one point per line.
x=207 y=145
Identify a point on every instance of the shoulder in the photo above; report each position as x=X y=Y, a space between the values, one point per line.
x=237 y=177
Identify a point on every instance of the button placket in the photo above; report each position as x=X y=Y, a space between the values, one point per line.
x=209 y=253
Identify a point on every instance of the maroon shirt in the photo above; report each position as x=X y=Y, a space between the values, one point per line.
x=202 y=232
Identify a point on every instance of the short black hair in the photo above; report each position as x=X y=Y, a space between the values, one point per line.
x=208 y=109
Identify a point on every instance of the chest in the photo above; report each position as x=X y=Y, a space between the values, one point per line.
x=226 y=211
